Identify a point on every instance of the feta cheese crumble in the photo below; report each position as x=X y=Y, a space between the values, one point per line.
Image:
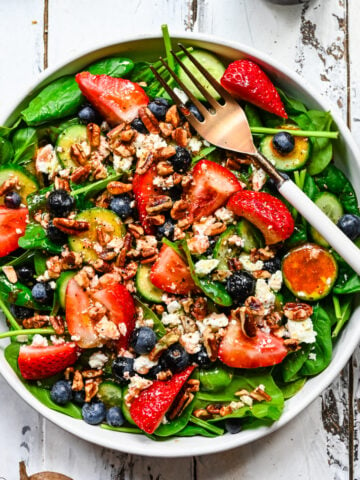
x=249 y=265
x=170 y=319
x=216 y=320
x=224 y=215
x=204 y=267
x=275 y=281
x=191 y=342
x=143 y=364
x=39 y=341
x=302 y=331
x=264 y=294
x=97 y=360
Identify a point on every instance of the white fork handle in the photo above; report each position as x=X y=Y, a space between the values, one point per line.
x=336 y=238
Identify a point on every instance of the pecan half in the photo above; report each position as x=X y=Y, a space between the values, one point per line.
x=12 y=183
x=136 y=230
x=158 y=203
x=253 y=306
x=78 y=382
x=143 y=165
x=120 y=261
x=80 y=174
x=166 y=129
x=156 y=220
x=118 y=188
x=115 y=132
x=91 y=389
x=172 y=116
x=61 y=184
x=297 y=311
x=164 y=153
x=77 y=153
x=180 y=210
x=71 y=227
x=37 y=321
x=57 y=322
x=149 y=120
x=92 y=373
x=93 y=133
x=164 y=168
x=199 y=308
x=180 y=136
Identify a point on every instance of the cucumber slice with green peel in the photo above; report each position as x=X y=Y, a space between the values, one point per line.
x=125 y=409
x=28 y=183
x=144 y=286
x=96 y=217
x=211 y=63
x=70 y=136
x=294 y=160
x=39 y=263
x=61 y=285
x=110 y=394
x=251 y=236
x=223 y=251
x=330 y=205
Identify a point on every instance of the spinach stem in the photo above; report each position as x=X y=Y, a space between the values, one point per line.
x=97 y=185
x=295 y=133
x=205 y=151
x=29 y=331
x=18 y=260
x=159 y=66
x=121 y=429
x=167 y=44
x=9 y=316
x=337 y=307
x=206 y=425
x=345 y=313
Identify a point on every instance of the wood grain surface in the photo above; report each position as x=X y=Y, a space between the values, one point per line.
x=318 y=39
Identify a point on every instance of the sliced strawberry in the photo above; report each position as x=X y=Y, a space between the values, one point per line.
x=81 y=327
x=12 y=227
x=245 y=80
x=212 y=186
x=171 y=273
x=143 y=189
x=239 y=351
x=121 y=309
x=117 y=99
x=42 y=362
x=269 y=214
x=148 y=409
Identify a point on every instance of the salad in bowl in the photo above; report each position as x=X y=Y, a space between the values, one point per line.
x=153 y=283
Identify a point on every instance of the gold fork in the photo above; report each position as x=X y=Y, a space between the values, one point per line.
x=225 y=125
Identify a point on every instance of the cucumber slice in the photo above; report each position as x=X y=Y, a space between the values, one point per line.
x=61 y=285
x=69 y=136
x=96 y=217
x=330 y=205
x=289 y=161
x=125 y=409
x=223 y=251
x=145 y=287
x=252 y=237
x=211 y=63
x=110 y=394
x=28 y=183
x=40 y=263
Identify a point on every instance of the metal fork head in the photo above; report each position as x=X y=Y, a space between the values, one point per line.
x=225 y=124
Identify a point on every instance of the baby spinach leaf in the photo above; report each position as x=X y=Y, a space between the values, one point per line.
x=310 y=187
x=6 y=151
x=347 y=281
x=194 y=430
x=18 y=294
x=114 y=66
x=253 y=116
x=159 y=328
x=298 y=236
x=37 y=200
x=35 y=238
x=24 y=143
x=176 y=425
x=6 y=131
x=342 y=314
x=291 y=388
x=292 y=106
x=293 y=362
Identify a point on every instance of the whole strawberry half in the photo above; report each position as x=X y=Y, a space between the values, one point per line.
x=36 y=362
x=269 y=214
x=12 y=227
x=148 y=409
x=144 y=189
x=117 y=99
x=245 y=80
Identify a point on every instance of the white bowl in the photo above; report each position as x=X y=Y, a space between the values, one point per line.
x=149 y=47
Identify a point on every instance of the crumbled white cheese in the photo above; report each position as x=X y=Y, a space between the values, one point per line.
x=247 y=400
x=107 y=329
x=249 y=265
x=258 y=179
x=46 y=161
x=216 y=320
x=39 y=341
x=191 y=342
x=312 y=356
x=236 y=241
x=136 y=385
x=224 y=215
x=264 y=294
x=236 y=405
x=302 y=331
x=143 y=364
x=22 y=338
x=97 y=360
x=275 y=281
x=170 y=319
x=57 y=340
x=75 y=338
x=145 y=144
x=122 y=164
x=204 y=267
x=173 y=306
x=181 y=94
x=194 y=144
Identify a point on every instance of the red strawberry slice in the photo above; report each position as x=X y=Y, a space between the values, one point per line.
x=144 y=189
x=42 y=362
x=117 y=99
x=245 y=80
x=121 y=309
x=212 y=186
x=12 y=227
x=171 y=273
x=269 y=214
x=81 y=327
x=148 y=409
x=239 y=351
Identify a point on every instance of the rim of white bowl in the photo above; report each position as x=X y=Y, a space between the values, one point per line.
x=182 y=447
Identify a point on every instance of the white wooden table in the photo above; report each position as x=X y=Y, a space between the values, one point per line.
x=320 y=40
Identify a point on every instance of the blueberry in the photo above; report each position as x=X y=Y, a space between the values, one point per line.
x=123 y=369
x=138 y=125
x=121 y=205
x=165 y=230
x=114 y=417
x=350 y=225
x=21 y=312
x=195 y=112
x=87 y=115
x=240 y=285
x=212 y=243
x=181 y=161
x=12 y=200
x=176 y=358
x=25 y=273
x=56 y=235
x=283 y=142
x=272 y=265
x=79 y=397
x=143 y=340
x=94 y=413
x=233 y=425
x=159 y=107
x=61 y=392
x=60 y=203
x=201 y=358
x=152 y=373
x=175 y=192
x=42 y=292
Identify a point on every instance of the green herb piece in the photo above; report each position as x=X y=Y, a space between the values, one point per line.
x=24 y=257
x=24 y=142
x=95 y=187
x=35 y=238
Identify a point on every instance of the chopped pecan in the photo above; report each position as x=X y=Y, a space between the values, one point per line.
x=71 y=260
x=150 y=259
x=225 y=410
x=211 y=343
x=214 y=408
x=93 y=133
x=108 y=255
x=120 y=261
x=235 y=264
x=164 y=168
x=260 y=395
x=68 y=373
x=266 y=253
x=57 y=322
x=199 y=308
x=215 y=229
x=273 y=319
x=180 y=136
x=179 y=405
x=186 y=181
x=166 y=129
x=220 y=275
x=101 y=266
x=172 y=116
x=253 y=306
x=261 y=274
x=180 y=210
x=78 y=382
x=61 y=184
x=71 y=227
x=115 y=132
x=78 y=154
x=12 y=183
x=103 y=200
x=162 y=345
x=297 y=311
x=144 y=164
x=127 y=135
x=10 y=273
x=37 y=321
x=159 y=309
x=80 y=174
x=232 y=164
x=97 y=311
x=102 y=236
x=158 y=203
x=91 y=389
x=92 y=373
x=156 y=220
x=184 y=223
x=188 y=324
x=129 y=271
x=118 y=188
x=202 y=413
x=149 y=120
x=164 y=153
x=292 y=344
x=136 y=230
x=164 y=375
